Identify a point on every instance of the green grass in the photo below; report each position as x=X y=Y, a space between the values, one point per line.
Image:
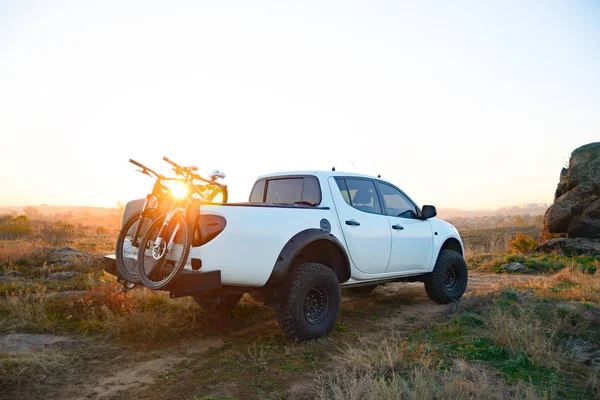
x=468 y=336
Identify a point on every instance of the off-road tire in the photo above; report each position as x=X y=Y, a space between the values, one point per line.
x=309 y=283
x=449 y=262
x=129 y=270
x=227 y=304
x=363 y=290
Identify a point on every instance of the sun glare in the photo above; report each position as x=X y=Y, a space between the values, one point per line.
x=178 y=189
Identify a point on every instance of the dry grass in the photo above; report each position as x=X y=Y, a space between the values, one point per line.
x=15 y=249
x=34 y=367
x=28 y=310
x=521 y=330
x=568 y=284
x=392 y=369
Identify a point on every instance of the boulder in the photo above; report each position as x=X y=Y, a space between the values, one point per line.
x=576 y=208
x=571 y=246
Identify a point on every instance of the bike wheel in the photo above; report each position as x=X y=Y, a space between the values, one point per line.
x=127 y=248
x=218 y=195
x=159 y=265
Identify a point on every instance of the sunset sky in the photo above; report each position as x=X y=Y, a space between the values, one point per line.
x=462 y=104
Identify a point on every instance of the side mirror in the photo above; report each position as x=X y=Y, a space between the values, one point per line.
x=428 y=212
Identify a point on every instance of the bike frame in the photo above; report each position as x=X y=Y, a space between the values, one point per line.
x=158 y=191
x=189 y=178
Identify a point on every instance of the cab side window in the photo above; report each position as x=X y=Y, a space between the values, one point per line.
x=396 y=204
x=360 y=194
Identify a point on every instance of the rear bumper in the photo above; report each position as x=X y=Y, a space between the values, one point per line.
x=186 y=284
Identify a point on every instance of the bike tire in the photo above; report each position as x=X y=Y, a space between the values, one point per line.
x=215 y=192
x=156 y=273
x=127 y=263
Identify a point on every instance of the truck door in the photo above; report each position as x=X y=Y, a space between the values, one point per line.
x=412 y=239
x=365 y=226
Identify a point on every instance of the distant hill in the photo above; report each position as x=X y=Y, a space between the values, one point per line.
x=111 y=217
x=522 y=209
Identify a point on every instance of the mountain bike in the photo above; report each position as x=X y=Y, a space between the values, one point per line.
x=167 y=241
x=135 y=227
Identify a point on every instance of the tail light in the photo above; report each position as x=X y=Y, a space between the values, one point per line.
x=208 y=227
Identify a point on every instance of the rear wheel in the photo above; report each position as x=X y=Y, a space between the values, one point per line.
x=159 y=265
x=448 y=280
x=312 y=302
x=127 y=245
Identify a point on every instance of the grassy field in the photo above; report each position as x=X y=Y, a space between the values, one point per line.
x=529 y=335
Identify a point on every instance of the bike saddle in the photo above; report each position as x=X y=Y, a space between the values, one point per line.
x=215 y=174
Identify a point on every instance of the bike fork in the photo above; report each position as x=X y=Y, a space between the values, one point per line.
x=138 y=227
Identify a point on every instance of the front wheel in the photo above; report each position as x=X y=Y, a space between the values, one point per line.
x=164 y=257
x=312 y=302
x=448 y=280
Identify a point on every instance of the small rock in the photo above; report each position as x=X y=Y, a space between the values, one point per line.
x=24 y=342
x=9 y=279
x=566 y=307
x=216 y=371
x=68 y=293
x=513 y=267
x=62 y=275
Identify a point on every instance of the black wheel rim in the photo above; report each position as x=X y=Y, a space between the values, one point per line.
x=316 y=304
x=452 y=278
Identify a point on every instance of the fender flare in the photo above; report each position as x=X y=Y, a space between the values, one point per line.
x=296 y=244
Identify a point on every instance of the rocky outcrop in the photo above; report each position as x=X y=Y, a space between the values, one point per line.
x=570 y=246
x=576 y=208
x=63 y=256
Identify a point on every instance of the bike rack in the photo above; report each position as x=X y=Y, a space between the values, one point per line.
x=187 y=283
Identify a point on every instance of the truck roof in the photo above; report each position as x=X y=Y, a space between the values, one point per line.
x=319 y=174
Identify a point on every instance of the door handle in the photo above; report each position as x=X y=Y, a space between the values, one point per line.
x=398 y=227
x=352 y=222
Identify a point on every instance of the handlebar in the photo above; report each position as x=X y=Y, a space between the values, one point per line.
x=145 y=170
x=179 y=170
x=137 y=164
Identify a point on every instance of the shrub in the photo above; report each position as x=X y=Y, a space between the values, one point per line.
x=522 y=243
x=14 y=227
x=58 y=233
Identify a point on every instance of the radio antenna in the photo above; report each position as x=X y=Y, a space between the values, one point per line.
x=352 y=162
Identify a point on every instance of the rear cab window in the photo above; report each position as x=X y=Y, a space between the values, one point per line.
x=360 y=193
x=289 y=190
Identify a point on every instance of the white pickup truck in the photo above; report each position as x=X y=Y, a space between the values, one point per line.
x=304 y=235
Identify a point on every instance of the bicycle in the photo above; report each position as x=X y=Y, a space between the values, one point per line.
x=167 y=241
x=135 y=227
